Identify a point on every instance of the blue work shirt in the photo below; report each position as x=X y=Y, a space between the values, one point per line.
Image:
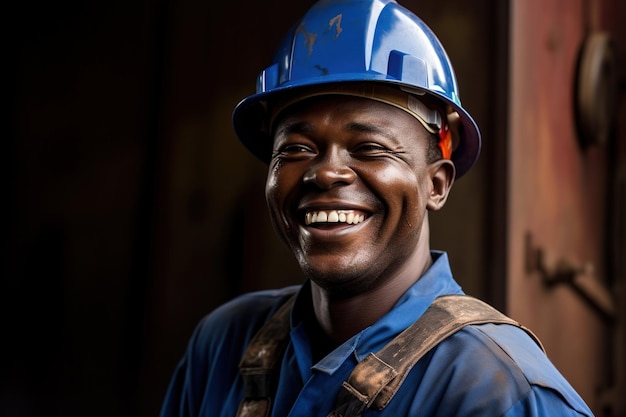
x=486 y=370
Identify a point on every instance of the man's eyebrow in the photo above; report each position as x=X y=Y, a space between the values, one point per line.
x=293 y=128
x=371 y=128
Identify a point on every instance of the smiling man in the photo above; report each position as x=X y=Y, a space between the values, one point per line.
x=361 y=125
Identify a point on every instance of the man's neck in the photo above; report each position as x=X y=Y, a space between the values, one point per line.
x=340 y=318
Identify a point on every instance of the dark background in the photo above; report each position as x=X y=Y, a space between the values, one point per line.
x=130 y=207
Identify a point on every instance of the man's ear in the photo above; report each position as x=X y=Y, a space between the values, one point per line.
x=442 y=173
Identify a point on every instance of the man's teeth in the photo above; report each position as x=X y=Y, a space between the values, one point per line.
x=333 y=216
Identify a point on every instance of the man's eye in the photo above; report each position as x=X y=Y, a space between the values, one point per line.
x=295 y=150
x=371 y=149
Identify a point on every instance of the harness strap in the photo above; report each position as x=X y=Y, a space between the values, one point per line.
x=377 y=378
x=259 y=362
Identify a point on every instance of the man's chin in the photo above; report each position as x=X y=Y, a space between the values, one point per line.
x=338 y=282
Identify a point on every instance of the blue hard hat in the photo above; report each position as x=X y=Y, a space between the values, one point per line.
x=356 y=41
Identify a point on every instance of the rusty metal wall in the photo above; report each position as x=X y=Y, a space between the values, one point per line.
x=561 y=196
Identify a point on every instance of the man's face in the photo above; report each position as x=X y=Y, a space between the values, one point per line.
x=348 y=188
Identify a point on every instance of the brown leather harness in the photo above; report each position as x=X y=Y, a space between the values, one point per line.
x=376 y=379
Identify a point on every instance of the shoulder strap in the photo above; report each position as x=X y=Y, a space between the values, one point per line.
x=259 y=361
x=376 y=379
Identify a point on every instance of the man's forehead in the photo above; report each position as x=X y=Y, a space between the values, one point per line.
x=343 y=118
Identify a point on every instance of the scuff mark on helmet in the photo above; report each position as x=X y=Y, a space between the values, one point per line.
x=336 y=21
x=309 y=38
x=323 y=70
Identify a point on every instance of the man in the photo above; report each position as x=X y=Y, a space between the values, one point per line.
x=360 y=122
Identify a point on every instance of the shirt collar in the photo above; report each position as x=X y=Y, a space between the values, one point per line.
x=435 y=282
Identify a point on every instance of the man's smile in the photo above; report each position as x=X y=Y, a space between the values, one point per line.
x=333 y=216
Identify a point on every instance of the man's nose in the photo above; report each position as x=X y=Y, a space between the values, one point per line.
x=330 y=170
